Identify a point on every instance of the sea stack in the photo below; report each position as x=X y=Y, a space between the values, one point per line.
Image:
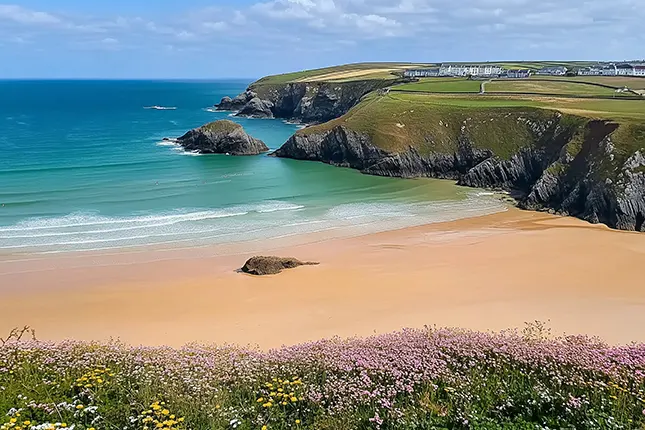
x=221 y=137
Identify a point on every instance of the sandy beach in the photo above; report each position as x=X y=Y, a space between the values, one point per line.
x=487 y=273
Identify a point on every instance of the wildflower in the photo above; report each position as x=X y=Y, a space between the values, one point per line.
x=297 y=421
x=91 y=428
x=261 y=399
x=79 y=407
x=12 y=421
x=264 y=427
x=27 y=423
x=267 y=404
x=165 y=412
x=294 y=399
x=181 y=420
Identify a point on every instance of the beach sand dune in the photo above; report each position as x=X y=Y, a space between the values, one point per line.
x=486 y=273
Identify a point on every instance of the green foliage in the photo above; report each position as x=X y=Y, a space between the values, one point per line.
x=441 y=85
x=222 y=125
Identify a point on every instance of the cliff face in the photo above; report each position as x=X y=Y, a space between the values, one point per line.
x=570 y=166
x=314 y=102
x=221 y=137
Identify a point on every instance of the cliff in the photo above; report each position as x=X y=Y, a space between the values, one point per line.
x=592 y=169
x=308 y=102
x=221 y=137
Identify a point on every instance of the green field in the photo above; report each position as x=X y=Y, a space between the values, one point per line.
x=631 y=82
x=561 y=87
x=599 y=86
x=441 y=85
x=344 y=73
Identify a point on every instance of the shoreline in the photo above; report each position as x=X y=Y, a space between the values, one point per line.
x=486 y=273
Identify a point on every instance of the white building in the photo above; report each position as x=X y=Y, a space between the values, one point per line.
x=470 y=70
x=552 y=71
x=639 y=70
x=624 y=69
x=421 y=73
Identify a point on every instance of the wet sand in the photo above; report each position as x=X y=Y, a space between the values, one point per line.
x=487 y=273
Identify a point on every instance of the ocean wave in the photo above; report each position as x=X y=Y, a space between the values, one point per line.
x=160 y=107
x=84 y=219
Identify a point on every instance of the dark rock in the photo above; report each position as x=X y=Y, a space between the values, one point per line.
x=271 y=265
x=221 y=137
x=236 y=103
x=307 y=102
x=257 y=108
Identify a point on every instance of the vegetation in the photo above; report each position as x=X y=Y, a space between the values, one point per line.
x=415 y=379
x=344 y=73
x=557 y=87
x=223 y=126
x=441 y=85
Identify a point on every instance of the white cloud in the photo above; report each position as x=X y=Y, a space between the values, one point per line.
x=214 y=26
x=22 y=15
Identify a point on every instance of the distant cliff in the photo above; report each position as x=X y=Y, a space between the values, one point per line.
x=567 y=164
x=308 y=102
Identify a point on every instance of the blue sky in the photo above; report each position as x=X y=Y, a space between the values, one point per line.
x=252 y=38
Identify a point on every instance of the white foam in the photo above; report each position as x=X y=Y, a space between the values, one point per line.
x=160 y=107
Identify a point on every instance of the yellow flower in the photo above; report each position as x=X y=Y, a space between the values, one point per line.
x=181 y=420
x=63 y=425
x=613 y=397
x=172 y=417
x=165 y=412
x=27 y=423
x=12 y=420
x=284 y=403
x=294 y=399
x=267 y=404
x=261 y=399
x=79 y=407
x=91 y=428
x=159 y=425
x=264 y=427
x=297 y=421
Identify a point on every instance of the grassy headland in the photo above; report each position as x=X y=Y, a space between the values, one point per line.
x=416 y=379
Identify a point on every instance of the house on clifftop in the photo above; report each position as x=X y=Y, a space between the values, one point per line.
x=552 y=71
x=421 y=73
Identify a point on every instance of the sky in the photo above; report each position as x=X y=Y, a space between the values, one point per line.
x=209 y=39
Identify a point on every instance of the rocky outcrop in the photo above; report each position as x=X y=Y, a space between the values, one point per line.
x=257 y=108
x=271 y=265
x=570 y=167
x=312 y=102
x=221 y=137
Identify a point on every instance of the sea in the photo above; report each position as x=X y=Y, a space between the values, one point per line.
x=83 y=167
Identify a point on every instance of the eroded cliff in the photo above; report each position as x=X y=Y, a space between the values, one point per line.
x=308 y=102
x=568 y=164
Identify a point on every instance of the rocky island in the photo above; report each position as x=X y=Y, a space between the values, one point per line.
x=221 y=137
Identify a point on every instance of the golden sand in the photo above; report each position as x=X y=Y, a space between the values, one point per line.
x=486 y=273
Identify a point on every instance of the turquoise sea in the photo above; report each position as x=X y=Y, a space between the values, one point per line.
x=83 y=167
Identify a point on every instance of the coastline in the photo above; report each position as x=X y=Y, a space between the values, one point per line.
x=486 y=273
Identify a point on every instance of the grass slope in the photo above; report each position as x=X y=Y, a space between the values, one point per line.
x=347 y=72
x=433 y=122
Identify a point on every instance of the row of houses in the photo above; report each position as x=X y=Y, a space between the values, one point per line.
x=485 y=70
x=621 y=69
x=481 y=70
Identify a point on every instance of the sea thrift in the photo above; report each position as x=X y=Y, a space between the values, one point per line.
x=405 y=380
